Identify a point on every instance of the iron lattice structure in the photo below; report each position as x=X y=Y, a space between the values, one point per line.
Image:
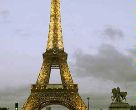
x=44 y=94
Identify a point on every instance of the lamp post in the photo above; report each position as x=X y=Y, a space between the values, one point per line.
x=16 y=106
x=88 y=98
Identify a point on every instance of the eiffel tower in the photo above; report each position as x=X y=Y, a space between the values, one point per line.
x=44 y=94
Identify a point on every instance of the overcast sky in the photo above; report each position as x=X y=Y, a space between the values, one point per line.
x=98 y=37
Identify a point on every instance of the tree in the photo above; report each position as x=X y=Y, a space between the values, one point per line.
x=133 y=107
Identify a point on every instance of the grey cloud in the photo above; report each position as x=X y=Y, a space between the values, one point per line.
x=108 y=64
x=10 y=95
x=4 y=14
x=132 y=52
x=23 y=34
x=113 y=33
x=97 y=101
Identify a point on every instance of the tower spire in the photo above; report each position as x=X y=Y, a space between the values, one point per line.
x=55 y=40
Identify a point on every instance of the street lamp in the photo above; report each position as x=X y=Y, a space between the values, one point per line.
x=16 y=106
x=88 y=98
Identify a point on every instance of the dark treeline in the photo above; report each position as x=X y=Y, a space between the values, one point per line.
x=4 y=108
x=133 y=107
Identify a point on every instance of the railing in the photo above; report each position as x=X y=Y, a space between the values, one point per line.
x=71 y=87
x=54 y=86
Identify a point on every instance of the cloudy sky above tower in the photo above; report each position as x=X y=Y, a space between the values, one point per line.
x=98 y=37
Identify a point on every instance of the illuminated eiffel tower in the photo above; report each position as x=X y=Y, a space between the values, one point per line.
x=44 y=94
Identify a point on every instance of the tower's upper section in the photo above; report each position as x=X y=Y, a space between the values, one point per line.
x=55 y=40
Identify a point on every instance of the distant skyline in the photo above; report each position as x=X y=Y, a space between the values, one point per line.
x=99 y=38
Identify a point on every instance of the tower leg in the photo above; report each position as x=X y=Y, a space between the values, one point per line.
x=65 y=74
x=44 y=75
x=80 y=105
x=32 y=103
